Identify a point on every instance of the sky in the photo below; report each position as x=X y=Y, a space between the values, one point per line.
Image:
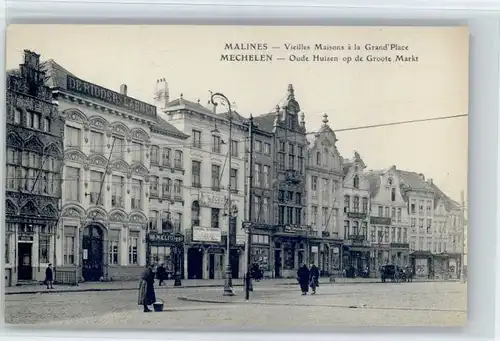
x=351 y=94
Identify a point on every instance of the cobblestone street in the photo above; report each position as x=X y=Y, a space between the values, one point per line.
x=271 y=306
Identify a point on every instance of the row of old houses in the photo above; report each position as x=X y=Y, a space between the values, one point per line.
x=100 y=184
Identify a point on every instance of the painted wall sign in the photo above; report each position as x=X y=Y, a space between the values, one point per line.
x=87 y=89
x=380 y=220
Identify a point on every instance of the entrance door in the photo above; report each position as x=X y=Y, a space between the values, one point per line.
x=93 y=249
x=24 y=255
x=195 y=264
x=211 y=266
x=277 y=263
x=235 y=263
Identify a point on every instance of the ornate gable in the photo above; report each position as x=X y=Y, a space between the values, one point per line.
x=14 y=140
x=97 y=213
x=119 y=166
x=139 y=169
x=52 y=150
x=49 y=211
x=120 y=129
x=73 y=211
x=75 y=155
x=138 y=217
x=139 y=134
x=118 y=215
x=98 y=122
x=29 y=209
x=34 y=144
x=98 y=160
x=75 y=115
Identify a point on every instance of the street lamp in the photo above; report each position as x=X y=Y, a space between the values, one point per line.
x=228 y=283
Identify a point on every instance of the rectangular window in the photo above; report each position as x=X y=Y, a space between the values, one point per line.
x=346 y=229
x=325 y=189
x=196 y=172
x=95 y=188
x=405 y=235
x=114 y=241
x=178 y=159
x=44 y=248
x=256 y=209
x=216 y=144
x=365 y=205
x=17 y=116
x=393 y=235
x=96 y=142
x=178 y=187
x=166 y=187
x=289 y=215
x=381 y=211
x=413 y=208
x=136 y=194
x=386 y=212
x=393 y=213
x=153 y=221
x=421 y=223
x=35 y=121
x=265 y=210
x=136 y=150
x=398 y=217
x=69 y=245
x=154 y=186
x=256 y=175
x=215 y=217
x=133 y=243
x=314 y=215
x=413 y=222
x=154 y=154
x=324 y=215
x=364 y=227
x=291 y=156
x=165 y=157
x=119 y=149
x=234 y=179
x=117 y=184
x=11 y=177
x=298 y=216
x=267 y=148
x=314 y=183
x=46 y=125
x=177 y=222
x=196 y=134
x=234 y=148
x=266 y=176
x=281 y=160
x=216 y=177
x=258 y=146
x=281 y=215
x=73 y=137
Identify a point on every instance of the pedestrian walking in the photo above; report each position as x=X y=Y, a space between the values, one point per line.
x=146 y=289
x=161 y=274
x=49 y=276
x=314 y=277
x=303 y=279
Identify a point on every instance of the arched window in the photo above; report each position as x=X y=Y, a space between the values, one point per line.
x=195 y=213
x=356 y=181
x=356 y=204
x=318 y=158
x=346 y=203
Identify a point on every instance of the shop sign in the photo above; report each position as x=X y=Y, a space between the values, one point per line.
x=25 y=237
x=207 y=234
x=165 y=237
x=356 y=215
x=400 y=245
x=314 y=249
x=380 y=220
x=87 y=89
x=212 y=200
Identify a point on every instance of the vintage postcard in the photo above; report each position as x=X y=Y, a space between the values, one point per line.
x=187 y=177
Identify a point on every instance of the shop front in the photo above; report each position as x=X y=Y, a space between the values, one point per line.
x=356 y=256
x=204 y=253
x=422 y=264
x=290 y=250
x=167 y=249
x=261 y=253
x=324 y=252
x=454 y=265
x=380 y=255
x=400 y=254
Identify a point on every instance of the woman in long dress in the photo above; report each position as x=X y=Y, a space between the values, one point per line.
x=146 y=289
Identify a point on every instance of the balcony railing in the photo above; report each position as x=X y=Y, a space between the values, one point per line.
x=293 y=175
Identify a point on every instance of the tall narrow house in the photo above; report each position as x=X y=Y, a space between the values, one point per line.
x=33 y=181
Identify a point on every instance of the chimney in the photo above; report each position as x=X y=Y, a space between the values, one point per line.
x=429 y=181
x=161 y=96
x=123 y=89
x=422 y=177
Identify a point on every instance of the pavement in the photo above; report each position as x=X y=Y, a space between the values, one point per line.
x=189 y=283
x=272 y=307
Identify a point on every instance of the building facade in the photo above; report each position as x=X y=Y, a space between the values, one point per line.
x=356 y=188
x=262 y=215
x=34 y=164
x=103 y=230
x=291 y=234
x=324 y=199
x=388 y=219
x=207 y=176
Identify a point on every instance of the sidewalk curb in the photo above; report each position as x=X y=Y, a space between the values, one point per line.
x=31 y=292
x=200 y=300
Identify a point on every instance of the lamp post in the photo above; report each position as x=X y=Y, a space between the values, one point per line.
x=228 y=283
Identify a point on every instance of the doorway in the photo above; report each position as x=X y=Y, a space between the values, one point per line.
x=211 y=266
x=24 y=256
x=195 y=263
x=93 y=250
x=277 y=263
x=234 y=257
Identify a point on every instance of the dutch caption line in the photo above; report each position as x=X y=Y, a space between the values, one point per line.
x=351 y=53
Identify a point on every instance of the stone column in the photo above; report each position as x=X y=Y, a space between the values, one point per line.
x=186 y=247
x=205 y=264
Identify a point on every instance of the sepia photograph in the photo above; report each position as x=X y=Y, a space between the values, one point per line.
x=236 y=177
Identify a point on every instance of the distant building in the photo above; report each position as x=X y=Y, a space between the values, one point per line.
x=34 y=166
x=356 y=188
x=325 y=200
x=389 y=219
